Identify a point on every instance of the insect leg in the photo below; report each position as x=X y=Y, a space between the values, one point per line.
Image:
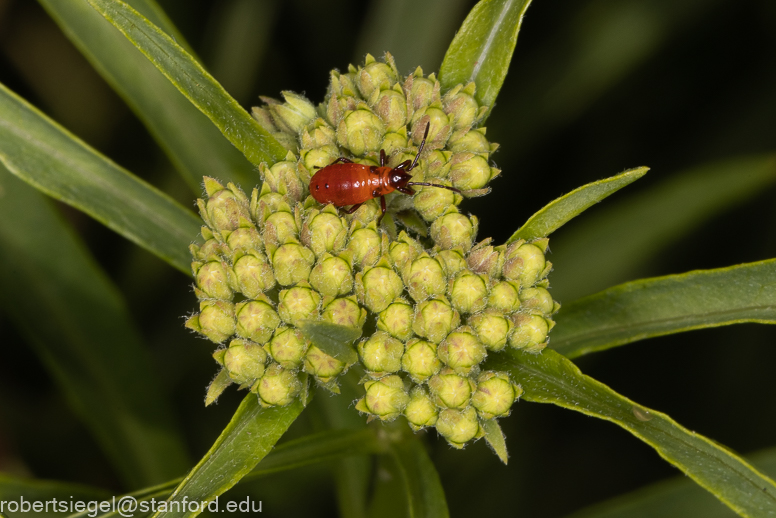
x=382 y=206
x=342 y=160
x=354 y=208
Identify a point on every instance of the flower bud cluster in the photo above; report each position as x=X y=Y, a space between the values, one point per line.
x=438 y=302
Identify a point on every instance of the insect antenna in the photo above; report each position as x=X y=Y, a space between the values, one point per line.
x=435 y=185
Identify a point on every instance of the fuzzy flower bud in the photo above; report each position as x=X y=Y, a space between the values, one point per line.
x=298 y=303
x=225 y=209
x=321 y=365
x=425 y=278
x=215 y=320
x=524 y=263
x=212 y=279
x=244 y=239
x=244 y=361
x=492 y=328
x=404 y=250
x=256 y=320
x=451 y=390
x=288 y=347
x=360 y=131
x=396 y=319
x=365 y=244
x=381 y=354
x=454 y=230
x=320 y=157
x=391 y=106
x=278 y=386
x=375 y=76
x=461 y=106
x=470 y=171
x=504 y=296
x=437 y=118
x=385 y=398
x=458 y=426
x=537 y=301
x=324 y=232
x=485 y=259
x=344 y=312
x=252 y=274
x=468 y=291
x=452 y=260
x=293 y=115
x=461 y=350
x=431 y=202
x=283 y=178
x=420 y=410
x=377 y=287
x=280 y=228
x=332 y=276
x=435 y=319
x=530 y=332
x=420 y=360
x=292 y=263
x=473 y=141
x=495 y=394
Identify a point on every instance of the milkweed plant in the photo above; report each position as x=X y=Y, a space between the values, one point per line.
x=357 y=339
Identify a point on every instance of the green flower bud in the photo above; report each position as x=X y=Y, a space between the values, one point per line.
x=280 y=228
x=225 y=209
x=365 y=243
x=504 y=296
x=360 y=131
x=454 y=230
x=468 y=291
x=537 y=301
x=320 y=134
x=437 y=164
x=495 y=394
x=294 y=114
x=381 y=354
x=215 y=320
x=298 y=303
x=461 y=350
x=374 y=76
x=420 y=410
x=283 y=178
x=422 y=91
x=385 y=398
x=470 y=171
x=252 y=274
x=451 y=390
x=485 y=259
x=344 y=312
x=462 y=107
x=473 y=141
x=332 y=276
x=244 y=361
x=394 y=141
x=435 y=319
x=256 y=320
x=278 y=386
x=377 y=287
x=396 y=319
x=492 y=328
x=324 y=367
x=525 y=263
x=404 y=250
x=320 y=157
x=292 y=263
x=437 y=118
x=288 y=347
x=212 y=248
x=267 y=203
x=217 y=387
x=246 y=238
x=391 y=107
x=324 y=231
x=420 y=360
x=452 y=260
x=530 y=332
x=425 y=278
x=431 y=202
x=213 y=280
x=458 y=426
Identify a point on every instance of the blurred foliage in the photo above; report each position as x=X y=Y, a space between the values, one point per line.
x=595 y=87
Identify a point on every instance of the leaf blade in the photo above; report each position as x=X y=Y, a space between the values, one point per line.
x=482 y=49
x=560 y=211
x=333 y=339
x=667 y=305
x=194 y=82
x=423 y=489
x=189 y=139
x=46 y=156
x=551 y=378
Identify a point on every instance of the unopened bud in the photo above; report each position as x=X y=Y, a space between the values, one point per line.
x=321 y=365
x=215 y=320
x=292 y=263
x=298 y=303
x=431 y=202
x=461 y=350
x=377 y=287
x=504 y=296
x=253 y=274
x=344 y=312
x=332 y=276
x=458 y=426
x=278 y=386
x=492 y=328
x=256 y=320
x=530 y=332
x=524 y=263
x=324 y=232
x=468 y=291
x=451 y=390
x=420 y=360
x=537 y=301
x=435 y=319
x=495 y=394
x=453 y=230
x=391 y=106
x=420 y=410
x=396 y=319
x=360 y=131
x=385 y=398
x=381 y=354
x=244 y=361
x=425 y=278
x=288 y=347
x=213 y=280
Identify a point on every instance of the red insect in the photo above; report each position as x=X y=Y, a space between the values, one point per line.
x=344 y=182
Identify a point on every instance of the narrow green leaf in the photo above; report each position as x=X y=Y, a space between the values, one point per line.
x=192 y=143
x=335 y=340
x=31 y=490
x=495 y=439
x=673 y=498
x=46 y=156
x=551 y=378
x=619 y=240
x=76 y=320
x=249 y=436
x=194 y=82
x=482 y=49
x=420 y=479
x=561 y=211
x=156 y=15
x=666 y=305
